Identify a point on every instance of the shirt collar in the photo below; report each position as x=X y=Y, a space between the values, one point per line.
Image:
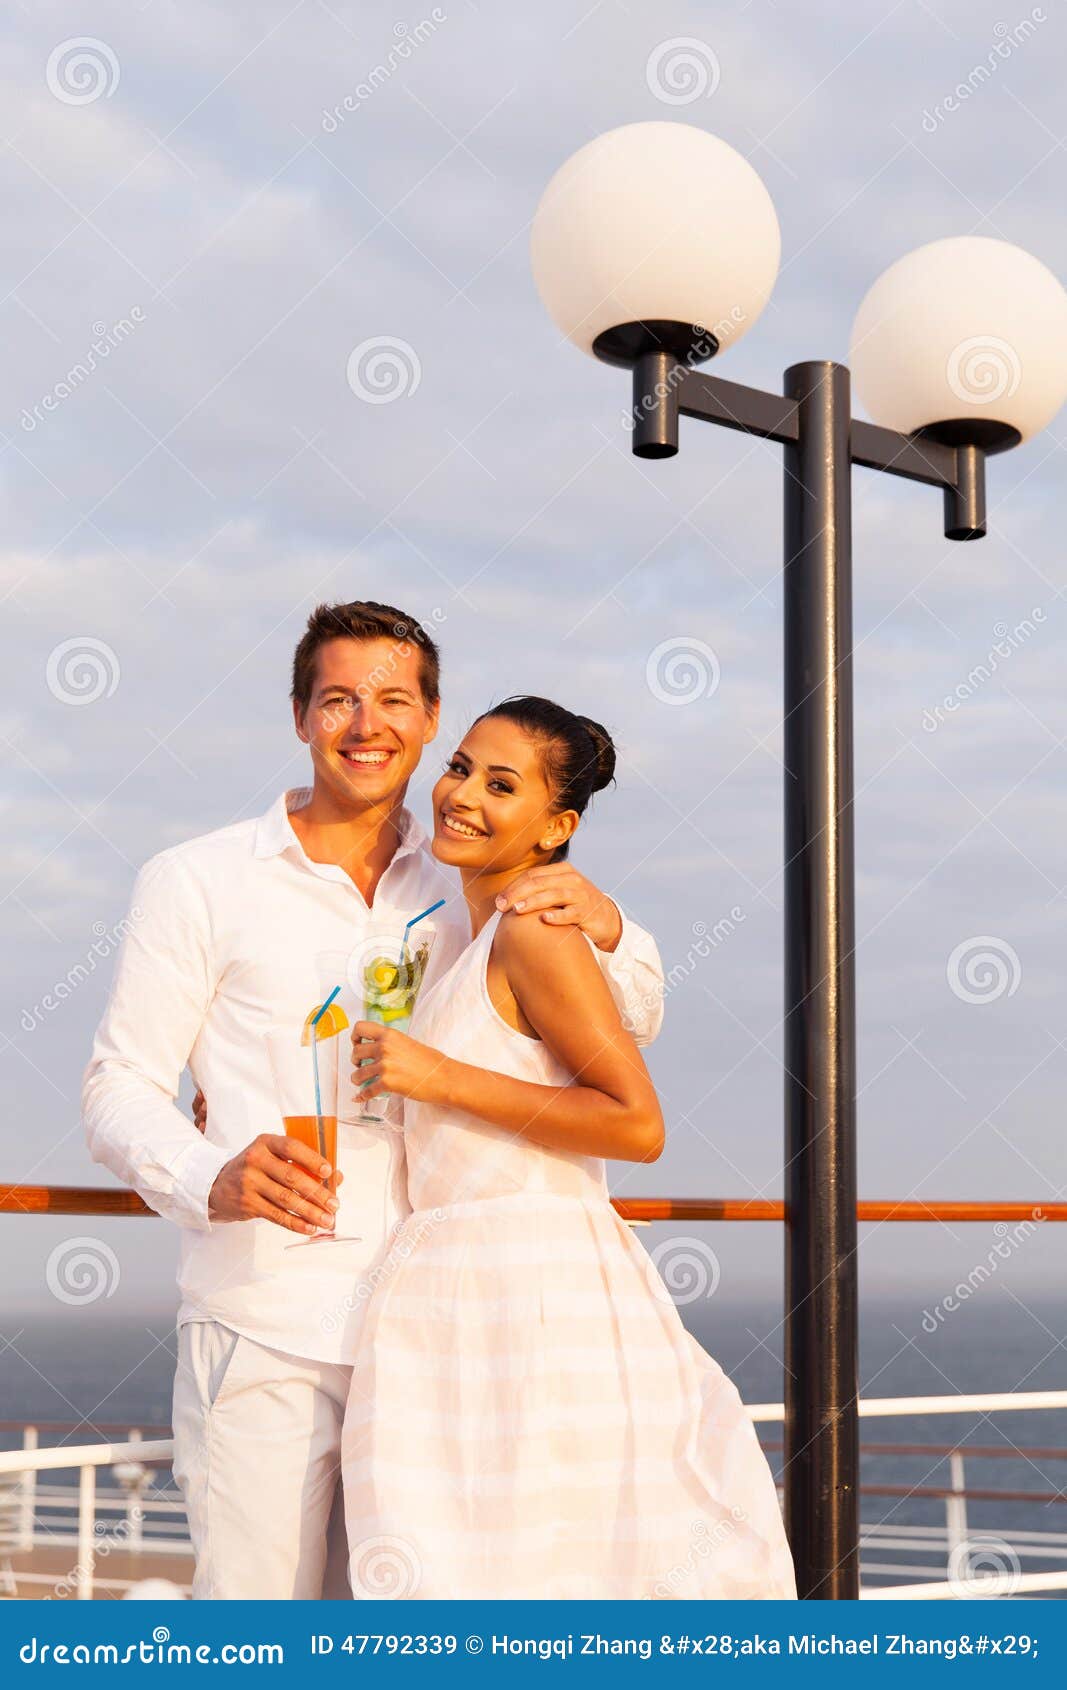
x=274 y=832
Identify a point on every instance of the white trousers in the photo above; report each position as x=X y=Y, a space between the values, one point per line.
x=257 y=1456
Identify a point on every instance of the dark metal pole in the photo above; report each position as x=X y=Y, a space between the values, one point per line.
x=655 y=409
x=821 y=1327
x=965 y=501
x=812 y=421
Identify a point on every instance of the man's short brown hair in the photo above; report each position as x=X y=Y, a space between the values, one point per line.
x=364 y=619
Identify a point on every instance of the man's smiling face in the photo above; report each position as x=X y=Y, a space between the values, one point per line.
x=367 y=720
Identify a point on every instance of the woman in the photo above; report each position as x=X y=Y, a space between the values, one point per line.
x=528 y=1417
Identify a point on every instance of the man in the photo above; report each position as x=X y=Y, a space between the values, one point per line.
x=223 y=945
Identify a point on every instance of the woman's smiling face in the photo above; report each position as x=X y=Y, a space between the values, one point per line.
x=493 y=809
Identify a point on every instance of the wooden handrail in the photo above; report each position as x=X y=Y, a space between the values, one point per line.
x=102 y=1426
x=980 y=1495
x=770 y=1209
x=992 y=1452
x=70 y=1200
x=101 y=1200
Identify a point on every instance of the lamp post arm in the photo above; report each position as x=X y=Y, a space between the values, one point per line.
x=903 y=454
x=959 y=470
x=664 y=388
x=770 y=415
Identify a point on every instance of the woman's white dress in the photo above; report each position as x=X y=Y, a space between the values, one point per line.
x=528 y=1417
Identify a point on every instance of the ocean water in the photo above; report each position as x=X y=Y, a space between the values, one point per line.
x=66 y=1367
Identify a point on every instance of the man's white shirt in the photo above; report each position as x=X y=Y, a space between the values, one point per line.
x=221 y=943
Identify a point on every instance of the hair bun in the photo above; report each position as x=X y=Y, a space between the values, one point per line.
x=605 y=752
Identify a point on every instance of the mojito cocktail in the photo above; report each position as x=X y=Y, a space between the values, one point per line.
x=388 y=972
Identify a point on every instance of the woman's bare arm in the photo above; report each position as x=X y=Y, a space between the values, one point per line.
x=609 y=1110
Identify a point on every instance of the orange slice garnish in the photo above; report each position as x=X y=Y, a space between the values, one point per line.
x=334 y=1021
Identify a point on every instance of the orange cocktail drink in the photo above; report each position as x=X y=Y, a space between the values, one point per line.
x=306 y=1068
x=318 y=1132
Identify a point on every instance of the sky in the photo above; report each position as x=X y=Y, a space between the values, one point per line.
x=218 y=207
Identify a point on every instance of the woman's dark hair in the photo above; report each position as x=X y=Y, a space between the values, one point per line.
x=577 y=754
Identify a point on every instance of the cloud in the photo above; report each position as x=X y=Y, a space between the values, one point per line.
x=215 y=475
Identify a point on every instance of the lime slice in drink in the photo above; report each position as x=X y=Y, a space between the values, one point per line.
x=381 y=975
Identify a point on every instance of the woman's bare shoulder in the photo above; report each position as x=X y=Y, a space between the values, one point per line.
x=526 y=939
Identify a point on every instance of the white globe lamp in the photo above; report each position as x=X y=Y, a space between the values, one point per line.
x=655 y=236
x=963 y=340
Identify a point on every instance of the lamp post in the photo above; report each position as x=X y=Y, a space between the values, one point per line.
x=654 y=248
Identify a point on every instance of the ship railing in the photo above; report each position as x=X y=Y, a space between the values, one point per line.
x=86 y=1459
x=966 y=1572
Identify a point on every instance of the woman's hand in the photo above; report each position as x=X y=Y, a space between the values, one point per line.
x=395 y=1062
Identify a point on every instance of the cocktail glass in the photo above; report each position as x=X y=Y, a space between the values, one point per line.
x=306 y=1070
x=386 y=971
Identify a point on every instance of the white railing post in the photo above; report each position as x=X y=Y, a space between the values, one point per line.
x=31 y=1461
x=956 y=1518
x=86 y=1523
x=28 y=1496
x=134 y=1511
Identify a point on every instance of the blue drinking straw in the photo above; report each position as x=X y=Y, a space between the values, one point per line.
x=321 y=1130
x=331 y=997
x=414 y=922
